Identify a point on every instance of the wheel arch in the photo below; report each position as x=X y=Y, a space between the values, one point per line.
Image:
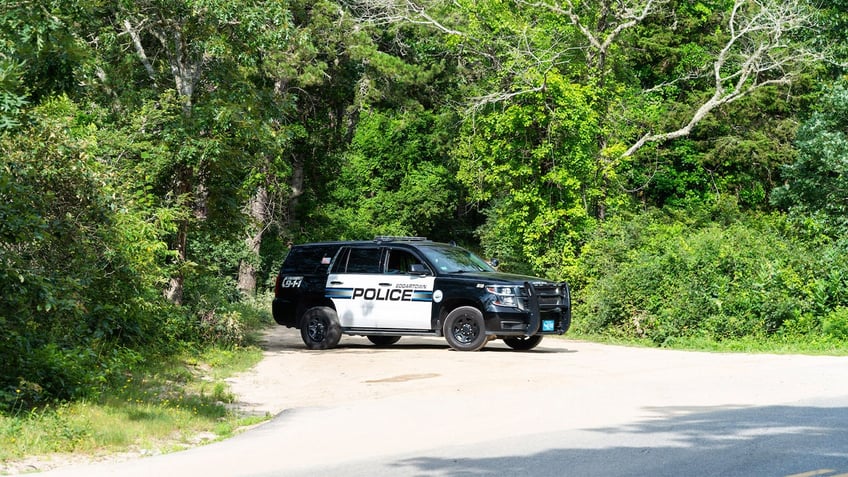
x=448 y=305
x=305 y=305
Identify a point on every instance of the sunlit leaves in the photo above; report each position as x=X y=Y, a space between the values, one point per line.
x=531 y=162
x=395 y=180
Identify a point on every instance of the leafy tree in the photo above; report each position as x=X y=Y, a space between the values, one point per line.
x=40 y=54
x=378 y=128
x=530 y=162
x=79 y=272
x=395 y=180
x=817 y=182
x=650 y=71
x=202 y=64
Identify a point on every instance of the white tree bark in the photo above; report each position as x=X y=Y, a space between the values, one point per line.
x=758 y=52
x=761 y=48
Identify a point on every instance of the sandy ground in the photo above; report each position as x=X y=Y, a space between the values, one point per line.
x=597 y=385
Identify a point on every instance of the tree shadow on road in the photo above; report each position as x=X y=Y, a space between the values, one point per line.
x=762 y=441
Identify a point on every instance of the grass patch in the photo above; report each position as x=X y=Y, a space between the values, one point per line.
x=159 y=408
x=773 y=345
x=161 y=405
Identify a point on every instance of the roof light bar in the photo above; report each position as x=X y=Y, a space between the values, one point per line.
x=391 y=238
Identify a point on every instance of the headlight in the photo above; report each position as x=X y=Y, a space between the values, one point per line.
x=504 y=296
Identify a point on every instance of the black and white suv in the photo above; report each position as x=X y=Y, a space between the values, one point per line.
x=409 y=286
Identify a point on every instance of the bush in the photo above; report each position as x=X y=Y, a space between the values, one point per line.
x=224 y=328
x=666 y=276
x=79 y=269
x=836 y=324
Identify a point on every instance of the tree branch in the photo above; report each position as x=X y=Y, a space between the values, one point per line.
x=755 y=55
x=139 y=48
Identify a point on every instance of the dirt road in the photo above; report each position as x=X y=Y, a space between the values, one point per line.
x=419 y=408
x=291 y=377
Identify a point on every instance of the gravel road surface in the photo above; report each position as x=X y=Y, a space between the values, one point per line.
x=565 y=408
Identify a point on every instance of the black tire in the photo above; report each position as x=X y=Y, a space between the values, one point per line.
x=320 y=328
x=566 y=322
x=523 y=343
x=465 y=329
x=380 y=340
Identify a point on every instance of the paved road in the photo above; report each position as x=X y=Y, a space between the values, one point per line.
x=566 y=408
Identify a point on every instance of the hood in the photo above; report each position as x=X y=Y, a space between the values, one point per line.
x=496 y=278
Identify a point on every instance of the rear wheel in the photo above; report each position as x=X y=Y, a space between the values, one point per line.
x=465 y=329
x=320 y=328
x=380 y=340
x=522 y=343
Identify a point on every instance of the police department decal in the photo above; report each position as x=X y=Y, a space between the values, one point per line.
x=437 y=296
x=401 y=292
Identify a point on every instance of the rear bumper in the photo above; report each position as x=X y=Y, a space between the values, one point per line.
x=284 y=312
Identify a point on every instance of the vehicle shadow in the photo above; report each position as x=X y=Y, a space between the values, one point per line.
x=281 y=339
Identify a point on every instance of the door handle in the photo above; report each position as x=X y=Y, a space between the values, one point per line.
x=385 y=284
x=334 y=282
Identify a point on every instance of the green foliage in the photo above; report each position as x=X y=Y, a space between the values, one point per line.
x=395 y=180
x=41 y=52
x=707 y=274
x=835 y=323
x=78 y=274
x=817 y=183
x=12 y=99
x=530 y=165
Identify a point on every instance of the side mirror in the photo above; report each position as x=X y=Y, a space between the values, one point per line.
x=418 y=269
x=495 y=262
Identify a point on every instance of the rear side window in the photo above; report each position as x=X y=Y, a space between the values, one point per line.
x=309 y=260
x=359 y=260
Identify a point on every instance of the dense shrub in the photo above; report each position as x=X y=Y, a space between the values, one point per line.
x=78 y=273
x=83 y=262
x=709 y=274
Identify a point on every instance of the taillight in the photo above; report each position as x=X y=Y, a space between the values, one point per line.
x=278 y=286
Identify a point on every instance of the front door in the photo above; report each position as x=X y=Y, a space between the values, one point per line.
x=407 y=297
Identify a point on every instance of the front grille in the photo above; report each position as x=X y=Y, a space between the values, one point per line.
x=549 y=300
x=550 y=296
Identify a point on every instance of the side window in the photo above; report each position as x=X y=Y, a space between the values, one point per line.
x=400 y=261
x=361 y=260
x=308 y=260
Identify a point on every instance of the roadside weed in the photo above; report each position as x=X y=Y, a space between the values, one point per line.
x=156 y=409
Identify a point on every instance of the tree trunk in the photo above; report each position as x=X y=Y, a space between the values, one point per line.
x=174 y=292
x=296 y=187
x=247 y=267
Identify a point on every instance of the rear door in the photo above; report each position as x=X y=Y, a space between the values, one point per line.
x=373 y=288
x=351 y=286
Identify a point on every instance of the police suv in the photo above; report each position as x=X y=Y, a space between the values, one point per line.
x=409 y=286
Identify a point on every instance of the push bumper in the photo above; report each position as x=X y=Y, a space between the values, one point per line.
x=547 y=311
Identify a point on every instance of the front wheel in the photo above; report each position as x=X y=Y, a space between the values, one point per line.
x=320 y=328
x=522 y=343
x=465 y=329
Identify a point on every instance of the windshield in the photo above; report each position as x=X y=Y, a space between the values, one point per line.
x=450 y=259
